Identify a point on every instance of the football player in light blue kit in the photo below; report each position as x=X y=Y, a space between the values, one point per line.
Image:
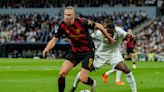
x=110 y=53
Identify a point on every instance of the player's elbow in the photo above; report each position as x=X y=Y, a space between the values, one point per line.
x=54 y=39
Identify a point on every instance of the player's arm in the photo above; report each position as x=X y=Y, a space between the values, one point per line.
x=103 y=30
x=90 y=24
x=53 y=41
x=49 y=46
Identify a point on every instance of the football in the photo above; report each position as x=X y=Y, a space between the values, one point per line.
x=84 y=91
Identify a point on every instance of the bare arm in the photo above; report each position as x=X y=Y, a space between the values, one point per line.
x=103 y=30
x=49 y=46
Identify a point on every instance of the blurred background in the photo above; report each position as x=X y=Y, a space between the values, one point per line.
x=27 y=25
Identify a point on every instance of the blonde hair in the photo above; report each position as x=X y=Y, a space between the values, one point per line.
x=70 y=8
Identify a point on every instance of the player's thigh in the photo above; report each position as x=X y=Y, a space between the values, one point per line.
x=99 y=61
x=115 y=59
x=66 y=67
x=73 y=57
x=87 y=61
x=113 y=63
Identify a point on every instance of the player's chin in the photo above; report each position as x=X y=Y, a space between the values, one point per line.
x=68 y=23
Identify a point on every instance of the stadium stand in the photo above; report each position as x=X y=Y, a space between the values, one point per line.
x=38 y=28
x=151 y=39
x=78 y=3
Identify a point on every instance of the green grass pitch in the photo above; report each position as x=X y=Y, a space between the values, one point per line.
x=29 y=75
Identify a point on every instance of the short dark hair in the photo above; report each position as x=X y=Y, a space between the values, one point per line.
x=110 y=26
x=106 y=21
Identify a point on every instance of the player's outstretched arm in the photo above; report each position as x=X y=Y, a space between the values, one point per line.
x=103 y=30
x=49 y=46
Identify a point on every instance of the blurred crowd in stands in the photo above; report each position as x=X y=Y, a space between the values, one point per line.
x=36 y=27
x=150 y=39
x=41 y=27
x=36 y=54
x=78 y=3
x=25 y=27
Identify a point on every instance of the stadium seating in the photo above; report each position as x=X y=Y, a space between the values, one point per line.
x=39 y=28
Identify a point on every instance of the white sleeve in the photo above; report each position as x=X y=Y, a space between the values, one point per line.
x=97 y=35
x=122 y=33
x=97 y=38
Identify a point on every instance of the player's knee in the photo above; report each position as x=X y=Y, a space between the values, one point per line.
x=124 y=69
x=127 y=70
x=83 y=79
x=62 y=74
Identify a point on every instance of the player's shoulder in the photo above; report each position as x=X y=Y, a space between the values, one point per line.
x=80 y=19
x=117 y=28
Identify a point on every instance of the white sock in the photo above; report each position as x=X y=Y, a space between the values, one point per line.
x=110 y=71
x=118 y=75
x=76 y=81
x=131 y=81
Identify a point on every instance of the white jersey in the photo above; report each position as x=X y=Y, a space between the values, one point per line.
x=105 y=52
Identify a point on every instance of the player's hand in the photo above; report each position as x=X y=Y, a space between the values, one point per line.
x=111 y=40
x=45 y=51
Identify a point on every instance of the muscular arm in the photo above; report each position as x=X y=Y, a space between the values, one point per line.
x=103 y=30
x=49 y=46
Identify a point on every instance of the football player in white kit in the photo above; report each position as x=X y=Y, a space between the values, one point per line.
x=96 y=37
x=110 y=54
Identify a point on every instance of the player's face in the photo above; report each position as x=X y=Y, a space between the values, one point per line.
x=111 y=31
x=69 y=16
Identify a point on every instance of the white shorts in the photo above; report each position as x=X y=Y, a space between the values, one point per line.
x=111 y=58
